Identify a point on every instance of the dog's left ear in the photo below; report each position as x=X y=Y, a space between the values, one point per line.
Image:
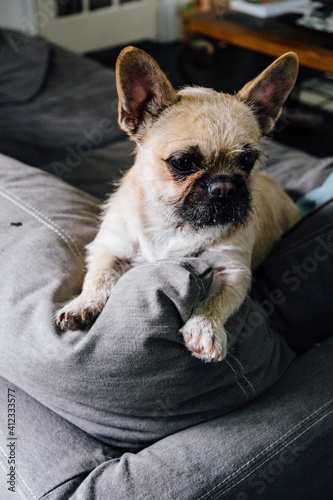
x=267 y=93
x=143 y=90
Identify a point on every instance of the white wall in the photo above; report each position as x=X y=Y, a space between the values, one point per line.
x=168 y=20
x=18 y=14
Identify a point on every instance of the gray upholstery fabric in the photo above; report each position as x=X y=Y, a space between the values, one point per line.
x=277 y=446
x=297 y=171
x=24 y=63
x=97 y=172
x=147 y=376
x=302 y=262
x=78 y=98
x=120 y=381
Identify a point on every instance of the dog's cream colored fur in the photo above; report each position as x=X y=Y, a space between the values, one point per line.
x=139 y=223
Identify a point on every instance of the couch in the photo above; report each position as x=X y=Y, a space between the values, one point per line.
x=123 y=411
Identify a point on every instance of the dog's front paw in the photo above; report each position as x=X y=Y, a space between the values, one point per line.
x=204 y=340
x=79 y=313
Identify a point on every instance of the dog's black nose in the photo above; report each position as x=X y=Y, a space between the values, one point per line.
x=221 y=187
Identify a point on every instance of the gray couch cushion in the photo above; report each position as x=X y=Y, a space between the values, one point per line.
x=130 y=380
x=44 y=225
x=95 y=173
x=297 y=171
x=24 y=63
x=277 y=446
x=77 y=107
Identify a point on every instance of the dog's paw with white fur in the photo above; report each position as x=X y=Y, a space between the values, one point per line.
x=205 y=340
x=80 y=313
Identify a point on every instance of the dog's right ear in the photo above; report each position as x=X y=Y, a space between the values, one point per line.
x=143 y=89
x=267 y=93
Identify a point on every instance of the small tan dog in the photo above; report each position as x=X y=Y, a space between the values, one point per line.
x=195 y=189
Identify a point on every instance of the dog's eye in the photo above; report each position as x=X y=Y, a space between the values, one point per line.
x=183 y=163
x=248 y=159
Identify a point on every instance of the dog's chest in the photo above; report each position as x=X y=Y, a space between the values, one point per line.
x=169 y=244
x=180 y=244
x=217 y=250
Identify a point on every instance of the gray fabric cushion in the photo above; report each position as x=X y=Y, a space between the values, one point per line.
x=297 y=171
x=77 y=108
x=66 y=122
x=268 y=449
x=299 y=271
x=96 y=173
x=44 y=225
x=130 y=380
x=24 y=62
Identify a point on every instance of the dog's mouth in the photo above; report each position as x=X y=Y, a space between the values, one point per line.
x=222 y=201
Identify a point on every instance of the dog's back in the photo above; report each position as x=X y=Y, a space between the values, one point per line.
x=274 y=214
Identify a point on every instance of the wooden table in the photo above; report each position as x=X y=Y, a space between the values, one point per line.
x=270 y=36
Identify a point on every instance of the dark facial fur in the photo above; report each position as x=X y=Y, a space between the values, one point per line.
x=200 y=208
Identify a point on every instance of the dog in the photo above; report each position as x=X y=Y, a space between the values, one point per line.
x=196 y=189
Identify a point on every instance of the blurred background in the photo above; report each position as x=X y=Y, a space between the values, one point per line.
x=216 y=43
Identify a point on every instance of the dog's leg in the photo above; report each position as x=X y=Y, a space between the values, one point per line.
x=204 y=333
x=104 y=268
x=108 y=258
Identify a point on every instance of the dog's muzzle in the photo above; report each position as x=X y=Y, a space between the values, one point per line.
x=222 y=200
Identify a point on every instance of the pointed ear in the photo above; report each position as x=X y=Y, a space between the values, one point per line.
x=267 y=93
x=143 y=90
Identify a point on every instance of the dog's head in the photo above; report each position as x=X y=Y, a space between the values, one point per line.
x=198 y=148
